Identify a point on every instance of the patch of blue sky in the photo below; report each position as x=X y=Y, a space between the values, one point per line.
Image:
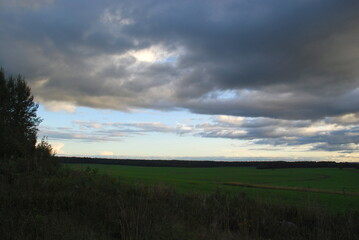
x=226 y=94
x=153 y=145
x=221 y=94
x=63 y=127
x=60 y=118
x=171 y=59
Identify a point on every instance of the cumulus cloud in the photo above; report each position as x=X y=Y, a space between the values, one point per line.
x=290 y=60
x=317 y=135
x=331 y=134
x=288 y=68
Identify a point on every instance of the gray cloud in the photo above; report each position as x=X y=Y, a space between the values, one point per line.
x=339 y=134
x=110 y=131
x=344 y=148
x=32 y=4
x=290 y=60
x=334 y=134
x=80 y=134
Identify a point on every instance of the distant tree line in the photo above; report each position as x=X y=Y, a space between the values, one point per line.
x=207 y=164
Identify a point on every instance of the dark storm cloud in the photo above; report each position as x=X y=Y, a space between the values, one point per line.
x=285 y=60
x=277 y=105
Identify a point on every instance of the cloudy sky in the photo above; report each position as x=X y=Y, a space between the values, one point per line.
x=209 y=79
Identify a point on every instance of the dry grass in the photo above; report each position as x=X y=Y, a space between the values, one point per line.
x=71 y=204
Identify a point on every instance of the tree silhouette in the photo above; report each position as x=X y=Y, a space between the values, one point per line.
x=18 y=119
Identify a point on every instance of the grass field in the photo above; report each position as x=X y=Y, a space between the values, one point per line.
x=330 y=188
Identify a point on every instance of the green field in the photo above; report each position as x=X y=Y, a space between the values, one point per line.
x=341 y=185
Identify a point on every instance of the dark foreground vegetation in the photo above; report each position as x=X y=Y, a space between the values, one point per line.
x=72 y=204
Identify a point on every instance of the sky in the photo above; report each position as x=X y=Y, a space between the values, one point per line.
x=190 y=79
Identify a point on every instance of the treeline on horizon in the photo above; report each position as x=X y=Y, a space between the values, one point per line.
x=207 y=164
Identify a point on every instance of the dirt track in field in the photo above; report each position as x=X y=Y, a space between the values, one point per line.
x=299 y=189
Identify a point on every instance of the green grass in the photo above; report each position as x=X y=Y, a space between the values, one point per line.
x=135 y=203
x=206 y=180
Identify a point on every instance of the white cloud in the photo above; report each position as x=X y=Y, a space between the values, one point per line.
x=56 y=106
x=351 y=118
x=57 y=146
x=106 y=153
x=230 y=120
x=154 y=54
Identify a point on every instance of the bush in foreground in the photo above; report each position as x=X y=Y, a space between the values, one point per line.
x=84 y=205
